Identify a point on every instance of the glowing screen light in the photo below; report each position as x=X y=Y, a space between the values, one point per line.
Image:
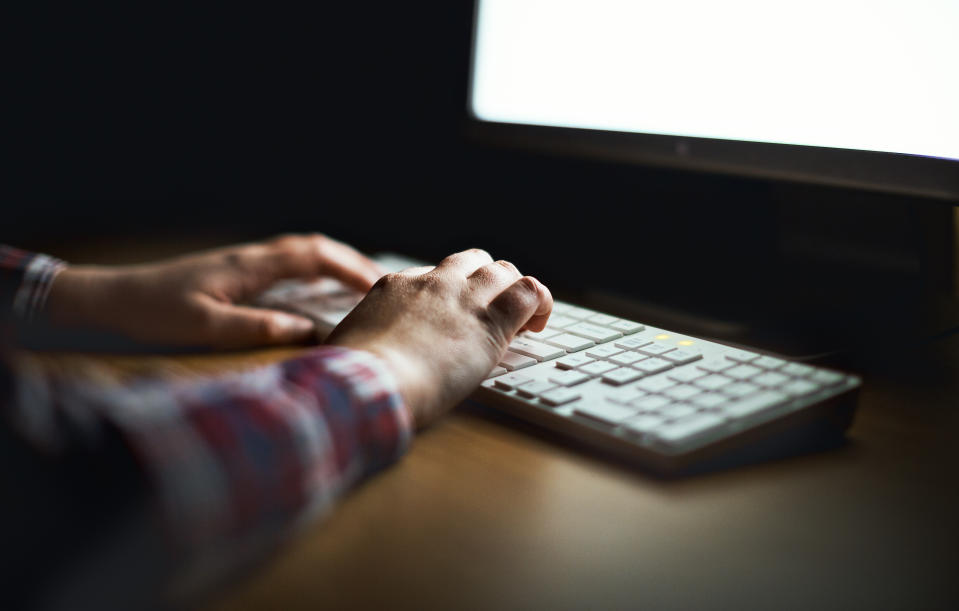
x=879 y=75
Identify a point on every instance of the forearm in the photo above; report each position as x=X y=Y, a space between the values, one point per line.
x=233 y=464
x=87 y=297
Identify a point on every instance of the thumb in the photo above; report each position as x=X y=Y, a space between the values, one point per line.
x=234 y=326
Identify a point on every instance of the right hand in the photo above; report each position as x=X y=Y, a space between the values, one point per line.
x=441 y=330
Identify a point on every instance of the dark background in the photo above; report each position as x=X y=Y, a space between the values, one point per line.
x=139 y=119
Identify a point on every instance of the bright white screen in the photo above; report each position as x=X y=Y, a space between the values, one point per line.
x=880 y=75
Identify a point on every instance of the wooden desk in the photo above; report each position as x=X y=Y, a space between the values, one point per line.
x=488 y=513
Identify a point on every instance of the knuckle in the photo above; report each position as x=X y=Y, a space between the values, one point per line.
x=530 y=285
x=283 y=240
x=318 y=240
x=384 y=282
x=480 y=253
x=485 y=274
x=267 y=328
x=508 y=266
x=233 y=259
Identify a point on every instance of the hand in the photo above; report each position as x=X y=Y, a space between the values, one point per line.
x=441 y=330
x=192 y=300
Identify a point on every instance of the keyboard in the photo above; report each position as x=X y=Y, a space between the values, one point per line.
x=668 y=401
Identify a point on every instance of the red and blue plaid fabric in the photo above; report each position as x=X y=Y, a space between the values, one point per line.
x=236 y=462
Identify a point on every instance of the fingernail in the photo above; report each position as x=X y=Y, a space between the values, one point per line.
x=295 y=324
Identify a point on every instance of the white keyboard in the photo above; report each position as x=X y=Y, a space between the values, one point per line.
x=668 y=400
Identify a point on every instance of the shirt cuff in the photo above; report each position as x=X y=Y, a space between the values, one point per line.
x=30 y=298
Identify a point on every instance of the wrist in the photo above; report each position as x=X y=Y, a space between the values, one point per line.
x=80 y=297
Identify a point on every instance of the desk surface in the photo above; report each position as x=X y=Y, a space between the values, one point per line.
x=487 y=512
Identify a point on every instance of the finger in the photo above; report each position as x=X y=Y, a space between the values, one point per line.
x=232 y=326
x=303 y=257
x=516 y=307
x=464 y=263
x=541 y=317
x=489 y=281
x=347 y=264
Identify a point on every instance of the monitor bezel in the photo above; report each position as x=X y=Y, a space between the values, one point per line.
x=913 y=175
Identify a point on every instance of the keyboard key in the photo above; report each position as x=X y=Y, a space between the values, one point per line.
x=573 y=361
x=559 y=396
x=512 y=361
x=708 y=400
x=741 y=356
x=770 y=379
x=536 y=350
x=743 y=372
x=656 y=348
x=511 y=381
x=625 y=394
x=650 y=403
x=687 y=429
x=627 y=327
x=713 y=382
x=594 y=332
x=681 y=393
x=768 y=362
x=681 y=356
x=597 y=368
x=686 y=374
x=626 y=358
x=569 y=342
x=653 y=365
x=578 y=313
x=602 y=319
x=655 y=383
x=632 y=343
x=677 y=410
x=559 y=322
x=797 y=369
x=542 y=335
x=560 y=307
x=739 y=389
x=534 y=388
x=826 y=378
x=496 y=371
x=642 y=424
x=568 y=378
x=603 y=351
x=799 y=387
x=622 y=375
x=608 y=413
x=716 y=364
x=754 y=404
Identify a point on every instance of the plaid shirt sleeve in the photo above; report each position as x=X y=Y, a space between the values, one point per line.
x=237 y=462
x=234 y=463
x=25 y=280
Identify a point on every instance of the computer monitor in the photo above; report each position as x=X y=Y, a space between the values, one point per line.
x=851 y=105
x=844 y=92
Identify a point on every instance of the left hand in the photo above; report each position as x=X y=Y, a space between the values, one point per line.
x=192 y=300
